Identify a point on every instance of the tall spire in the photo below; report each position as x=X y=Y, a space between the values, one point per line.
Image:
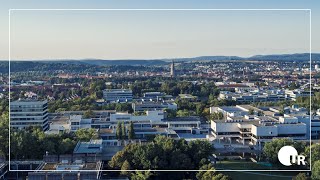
x=172 y=73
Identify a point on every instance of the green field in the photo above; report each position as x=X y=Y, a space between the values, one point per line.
x=247 y=165
x=260 y=175
x=240 y=165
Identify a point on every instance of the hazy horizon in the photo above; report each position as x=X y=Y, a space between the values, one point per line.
x=123 y=35
x=171 y=58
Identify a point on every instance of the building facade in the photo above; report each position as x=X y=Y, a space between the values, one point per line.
x=29 y=113
x=265 y=124
x=117 y=95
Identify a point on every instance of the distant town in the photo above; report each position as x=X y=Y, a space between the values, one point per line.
x=197 y=114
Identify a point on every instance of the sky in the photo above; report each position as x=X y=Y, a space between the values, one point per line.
x=52 y=35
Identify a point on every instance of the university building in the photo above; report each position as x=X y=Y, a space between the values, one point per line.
x=117 y=95
x=240 y=125
x=29 y=113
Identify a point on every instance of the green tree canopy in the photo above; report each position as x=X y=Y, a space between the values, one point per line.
x=119 y=130
x=4 y=135
x=271 y=149
x=163 y=153
x=86 y=134
x=123 y=131
x=316 y=170
x=131 y=133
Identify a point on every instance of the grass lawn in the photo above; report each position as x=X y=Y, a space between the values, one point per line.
x=247 y=165
x=258 y=176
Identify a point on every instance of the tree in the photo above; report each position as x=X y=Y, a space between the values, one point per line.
x=86 y=134
x=251 y=111
x=199 y=109
x=183 y=113
x=316 y=170
x=66 y=145
x=199 y=149
x=209 y=173
x=141 y=175
x=125 y=167
x=301 y=176
x=281 y=111
x=123 y=131
x=131 y=133
x=88 y=114
x=4 y=135
x=33 y=143
x=123 y=107
x=221 y=177
x=271 y=149
x=171 y=113
x=119 y=130
x=293 y=86
x=315 y=149
x=216 y=116
x=260 y=113
x=163 y=153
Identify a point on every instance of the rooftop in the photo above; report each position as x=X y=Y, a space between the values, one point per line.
x=231 y=109
x=27 y=102
x=70 y=166
x=190 y=118
x=118 y=90
x=94 y=146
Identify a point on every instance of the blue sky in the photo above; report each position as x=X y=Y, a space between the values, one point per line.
x=156 y=34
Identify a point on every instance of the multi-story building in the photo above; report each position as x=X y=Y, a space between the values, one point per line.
x=26 y=113
x=150 y=124
x=151 y=106
x=265 y=124
x=253 y=96
x=153 y=96
x=117 y=95
x=76 y=166
x=294 y=94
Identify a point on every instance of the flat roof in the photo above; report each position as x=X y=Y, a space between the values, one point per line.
x=118 y=90
x=190 y=118
x=94 y=146
x=232 y=109
x=27 y=101
x=66 y=166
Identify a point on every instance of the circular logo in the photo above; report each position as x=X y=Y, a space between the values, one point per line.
x=285 y=153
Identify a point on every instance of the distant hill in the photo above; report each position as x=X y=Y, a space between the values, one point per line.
x=287 y=57
x=125 y=62
x=153 y=62
x=276 y=57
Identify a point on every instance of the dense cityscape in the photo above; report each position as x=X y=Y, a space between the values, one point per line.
x=202 y=114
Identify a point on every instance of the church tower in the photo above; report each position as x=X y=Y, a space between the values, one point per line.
x=172 y=73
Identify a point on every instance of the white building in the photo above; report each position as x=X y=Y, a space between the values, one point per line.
x=150 y=116
x=294 y=94
x=154 y=96
x=151 y=106
x=77 y=122
x=257 y=95
x=26 y=113
x=117 y=95
x=237 y=125
x=150 y=124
